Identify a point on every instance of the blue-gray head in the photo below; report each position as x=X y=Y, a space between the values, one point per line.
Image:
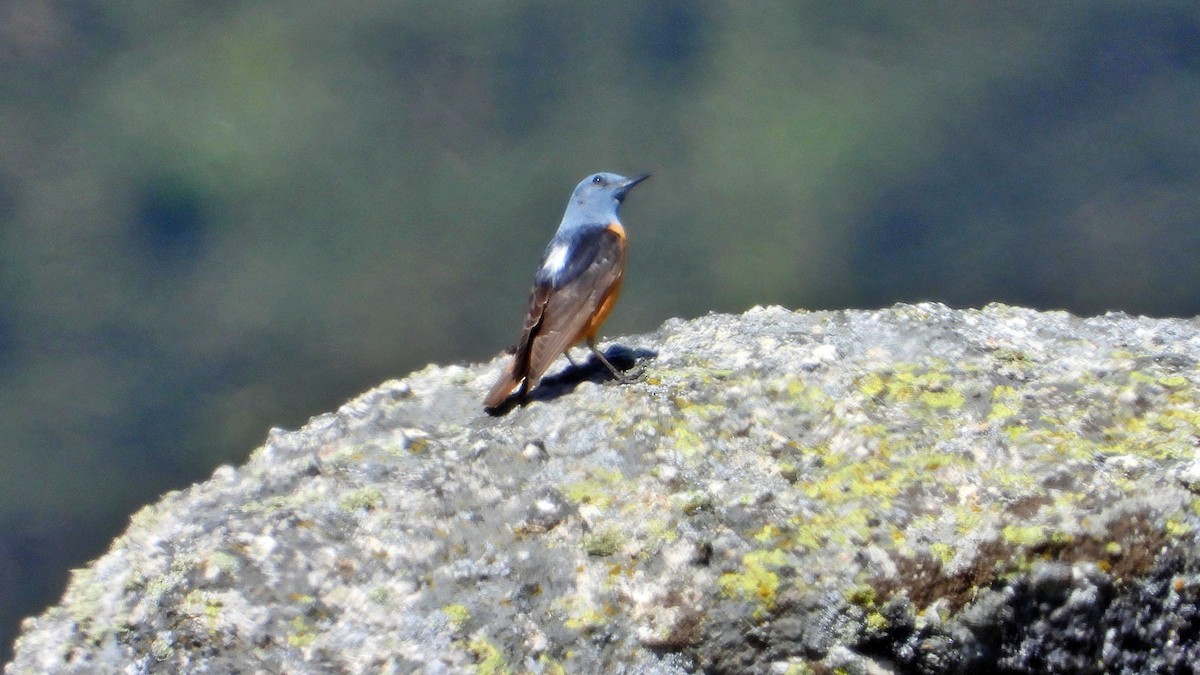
x=596 y=199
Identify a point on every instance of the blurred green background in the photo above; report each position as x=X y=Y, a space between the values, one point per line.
x=217 y=217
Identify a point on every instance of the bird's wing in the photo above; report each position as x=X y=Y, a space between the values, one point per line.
x=559 y=313
x=519 y=366
x=569 y=309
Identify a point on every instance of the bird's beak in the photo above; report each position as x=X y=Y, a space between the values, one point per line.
x=625 y=187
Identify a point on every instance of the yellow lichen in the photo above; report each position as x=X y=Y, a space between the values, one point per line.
x=586 y=618
x=757 y=581
x=301 y=634
x=1024 y=535
x=457 y=615
x=602 y=542
x=861 y=595
x=949 y=398
x=876 y=622
x=596 y=489
x=768 y=533
x=942 y=551
x=489 y=659
x=1177 y=528
x=366 y=498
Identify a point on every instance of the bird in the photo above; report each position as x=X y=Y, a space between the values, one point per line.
x=576 y=285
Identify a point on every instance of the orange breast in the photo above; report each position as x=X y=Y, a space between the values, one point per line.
x=606 y=306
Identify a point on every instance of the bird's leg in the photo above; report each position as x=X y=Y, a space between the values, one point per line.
x=621 y=377
x=569 y=359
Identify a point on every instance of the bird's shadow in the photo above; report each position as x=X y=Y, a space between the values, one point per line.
x=564 y=382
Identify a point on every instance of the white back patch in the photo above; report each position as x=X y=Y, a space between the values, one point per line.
x=556 y=260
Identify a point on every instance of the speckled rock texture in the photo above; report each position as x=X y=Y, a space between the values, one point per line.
x=916 y=489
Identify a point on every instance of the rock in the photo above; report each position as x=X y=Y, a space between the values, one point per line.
x=915 y=489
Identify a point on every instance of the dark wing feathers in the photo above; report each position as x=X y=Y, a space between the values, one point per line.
x=584 y=245
x=519 y=365
x=558 y=315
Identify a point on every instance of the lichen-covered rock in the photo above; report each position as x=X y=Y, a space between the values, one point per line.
x=917 y=489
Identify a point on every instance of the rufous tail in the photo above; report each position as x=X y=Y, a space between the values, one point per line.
x=503 y=388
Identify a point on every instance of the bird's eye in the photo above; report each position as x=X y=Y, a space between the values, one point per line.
x=597 y=179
